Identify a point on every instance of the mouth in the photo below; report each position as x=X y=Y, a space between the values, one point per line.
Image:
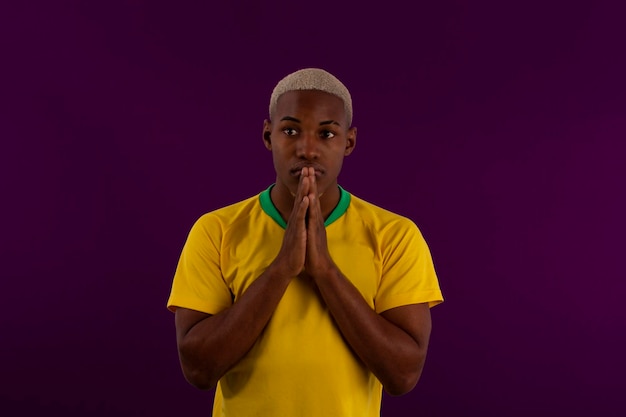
x=296 y=172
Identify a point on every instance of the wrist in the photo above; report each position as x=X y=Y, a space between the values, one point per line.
x=324 y=271
x=280 y=270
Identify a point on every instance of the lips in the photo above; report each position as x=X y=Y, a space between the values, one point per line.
x=297 y=170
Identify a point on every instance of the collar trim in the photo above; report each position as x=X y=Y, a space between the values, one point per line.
x=270 y=209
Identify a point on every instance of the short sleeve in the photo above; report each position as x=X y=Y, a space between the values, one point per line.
x=198 y=283
x=408 y=273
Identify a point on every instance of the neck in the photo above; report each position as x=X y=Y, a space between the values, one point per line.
x=283 y=200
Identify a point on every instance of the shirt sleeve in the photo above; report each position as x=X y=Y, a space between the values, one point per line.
x=408 y=273
x=198 y=283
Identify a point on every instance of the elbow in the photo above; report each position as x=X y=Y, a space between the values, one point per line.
x=199 y=379
x=197 y=371
x=402 y=384
x=405 y=379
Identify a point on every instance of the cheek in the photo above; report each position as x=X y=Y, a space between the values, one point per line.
x=275 y=160
x=338 y=166
x=279 y=161
x=338 y=161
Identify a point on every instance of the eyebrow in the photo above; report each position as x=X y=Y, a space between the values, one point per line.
x=325 y=122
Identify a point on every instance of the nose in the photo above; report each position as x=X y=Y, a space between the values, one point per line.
x=307 y=146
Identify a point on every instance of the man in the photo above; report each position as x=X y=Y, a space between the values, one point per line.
x=304 y=300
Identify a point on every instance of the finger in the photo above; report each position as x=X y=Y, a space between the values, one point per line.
x=303 y=198
x=300 y=192
x=313 y=182
x=314 y=196
x=314 y=215
x=303 y=206
x=298 y=216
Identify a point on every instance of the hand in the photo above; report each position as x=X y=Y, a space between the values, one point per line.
x=318 y=261
x=291 y=257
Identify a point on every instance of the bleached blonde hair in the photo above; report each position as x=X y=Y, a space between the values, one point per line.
x=313 y=79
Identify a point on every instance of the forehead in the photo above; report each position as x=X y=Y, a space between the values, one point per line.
x=314 y=104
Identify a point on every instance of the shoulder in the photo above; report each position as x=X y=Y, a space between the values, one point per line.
x=379 y=219
x=390 y=231
x=225 y=217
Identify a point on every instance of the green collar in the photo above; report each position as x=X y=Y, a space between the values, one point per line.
x=270 y=209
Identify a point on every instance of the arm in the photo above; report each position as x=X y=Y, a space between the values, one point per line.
x=209 y=345
x=392 y=344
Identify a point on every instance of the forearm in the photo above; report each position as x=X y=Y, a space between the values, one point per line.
x=211 y=346
x=391 y=353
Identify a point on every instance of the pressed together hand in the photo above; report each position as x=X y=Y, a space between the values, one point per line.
x=304 y=248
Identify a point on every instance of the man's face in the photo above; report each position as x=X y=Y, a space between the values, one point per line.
x=309 y=128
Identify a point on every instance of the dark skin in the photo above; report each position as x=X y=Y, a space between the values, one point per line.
x=309 y=139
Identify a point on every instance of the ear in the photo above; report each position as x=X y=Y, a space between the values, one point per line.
x=267 y=130
x=350 y=141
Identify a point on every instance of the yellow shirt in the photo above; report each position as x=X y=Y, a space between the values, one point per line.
x=300 y=365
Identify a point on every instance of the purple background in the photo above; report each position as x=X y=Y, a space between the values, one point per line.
x=498 y=128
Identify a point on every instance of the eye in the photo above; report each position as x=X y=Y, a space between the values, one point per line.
x=327 y=134
x=290 y=131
